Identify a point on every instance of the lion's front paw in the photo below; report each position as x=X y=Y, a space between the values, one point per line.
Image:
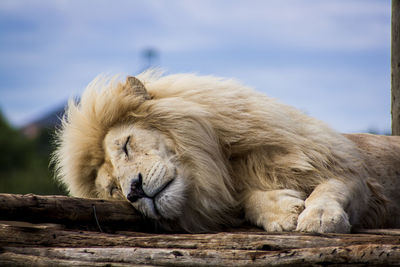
x=285 y=219
x=282 y=215
x=324 y=219
x=275 y=210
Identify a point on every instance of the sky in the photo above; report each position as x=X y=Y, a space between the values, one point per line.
x=330 y=59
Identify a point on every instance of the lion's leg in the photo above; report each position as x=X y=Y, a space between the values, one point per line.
x=275 y=210
x=332 y=207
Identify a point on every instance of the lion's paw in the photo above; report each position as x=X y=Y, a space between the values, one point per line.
x=324 y=219
x=284 y=216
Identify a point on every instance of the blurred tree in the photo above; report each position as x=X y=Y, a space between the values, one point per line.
x=24 y=163
x=15 y=150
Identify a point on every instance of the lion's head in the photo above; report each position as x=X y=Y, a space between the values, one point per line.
x=143 y=165
x=134 y=141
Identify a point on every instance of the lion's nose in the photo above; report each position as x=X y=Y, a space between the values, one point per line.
x=136 y=189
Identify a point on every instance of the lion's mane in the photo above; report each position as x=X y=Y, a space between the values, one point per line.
x=227 y=136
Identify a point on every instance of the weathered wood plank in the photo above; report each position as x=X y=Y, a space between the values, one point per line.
x=15 y=259
x=53 y=236
x=72 y=211
x=49 y=244
x=393 y=232
x=350 y=255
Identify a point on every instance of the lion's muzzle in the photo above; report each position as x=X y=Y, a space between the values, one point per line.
x=137 y=191
x=157 y=192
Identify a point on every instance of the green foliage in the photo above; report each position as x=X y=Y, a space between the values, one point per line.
x=24 y=163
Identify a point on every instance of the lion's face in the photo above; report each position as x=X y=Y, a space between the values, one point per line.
x=141 y=165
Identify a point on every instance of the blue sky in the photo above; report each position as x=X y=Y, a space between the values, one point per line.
x=331 y=59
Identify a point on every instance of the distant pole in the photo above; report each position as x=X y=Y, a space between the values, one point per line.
x=150 y=55
x=395 y=67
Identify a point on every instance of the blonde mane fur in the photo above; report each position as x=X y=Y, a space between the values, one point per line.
x=228 y=138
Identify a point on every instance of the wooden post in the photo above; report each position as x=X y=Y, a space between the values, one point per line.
x=395 y=67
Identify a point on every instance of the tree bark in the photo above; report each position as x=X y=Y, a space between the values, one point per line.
x=395 y=67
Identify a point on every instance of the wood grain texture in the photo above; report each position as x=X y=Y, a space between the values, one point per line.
x=56 y=236
x=52 y=244
x=371 y=254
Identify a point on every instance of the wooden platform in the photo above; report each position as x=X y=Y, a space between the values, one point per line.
x=62 y=243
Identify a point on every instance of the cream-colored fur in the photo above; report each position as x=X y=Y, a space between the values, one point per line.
x=206 y=150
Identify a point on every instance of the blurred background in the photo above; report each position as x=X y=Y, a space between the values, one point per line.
x=330 y=59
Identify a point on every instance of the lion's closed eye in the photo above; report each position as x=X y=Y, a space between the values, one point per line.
x=125 y=147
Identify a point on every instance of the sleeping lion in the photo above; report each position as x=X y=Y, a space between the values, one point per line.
x=199 y=153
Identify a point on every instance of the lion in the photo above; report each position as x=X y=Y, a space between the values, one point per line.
x=202 y=153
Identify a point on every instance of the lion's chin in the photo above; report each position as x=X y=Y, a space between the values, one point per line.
x=167 y=204
x=147 y=208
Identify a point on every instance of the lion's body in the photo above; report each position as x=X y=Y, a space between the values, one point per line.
x=381 y=155
x=237 y=151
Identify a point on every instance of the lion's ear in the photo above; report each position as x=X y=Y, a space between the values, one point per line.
x=137 y=87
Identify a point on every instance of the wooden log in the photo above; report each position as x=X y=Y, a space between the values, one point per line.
x=31 y=235
x=47 y=244
x=374 y=254
x=394 y=232
x=94 y=214
x=395 y=58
